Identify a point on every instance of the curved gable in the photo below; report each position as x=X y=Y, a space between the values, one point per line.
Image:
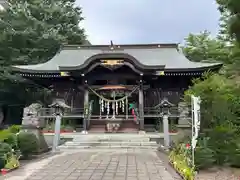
x=105 y=56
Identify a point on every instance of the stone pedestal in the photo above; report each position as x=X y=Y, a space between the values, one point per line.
x=43 y=147
x=57 y=129
x=166 y=131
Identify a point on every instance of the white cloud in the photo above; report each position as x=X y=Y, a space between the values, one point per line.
x=146 y=21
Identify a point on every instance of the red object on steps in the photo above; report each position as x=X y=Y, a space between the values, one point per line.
x=134 y=115
x=4 y=171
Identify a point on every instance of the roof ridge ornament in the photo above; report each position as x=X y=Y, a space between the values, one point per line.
x=111 y=45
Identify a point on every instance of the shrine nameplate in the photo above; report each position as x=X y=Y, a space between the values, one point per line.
x=112 y=64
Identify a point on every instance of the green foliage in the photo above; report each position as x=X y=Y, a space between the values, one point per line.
x=4 y=134
x=8 y=159
x=222 y=142
x=4 y=149
x=14 y=128
x=5 y=152
x=202 y=47
x=28 y=143
x=233 y=69
x=9 y=136
x=32 y=31
x=233 y=8
x=12 y=162
x=181 y=164
x=204 y=158
x=220 y=94
x=204 y=155
x=220 y=110
x=12 y=141
x=8 y=147
x=224 y=31
x=234 y=157
x=220 y=100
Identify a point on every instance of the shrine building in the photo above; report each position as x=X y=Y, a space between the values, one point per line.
x=118 y=85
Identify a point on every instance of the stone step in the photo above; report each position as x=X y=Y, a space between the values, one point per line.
x=111 y=140
x=107 y=143
x=85 y=144
x=63 y=147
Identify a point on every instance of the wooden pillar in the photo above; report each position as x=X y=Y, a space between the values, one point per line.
x=141 y=106
x=100 y=108
x=86 y=105
x=126 y=107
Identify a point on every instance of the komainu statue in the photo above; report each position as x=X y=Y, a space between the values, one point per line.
x=33 y=123
x=31 y=116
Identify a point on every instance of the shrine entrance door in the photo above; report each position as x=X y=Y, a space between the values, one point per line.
x=114 y=110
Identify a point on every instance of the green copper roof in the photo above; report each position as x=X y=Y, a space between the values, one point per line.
x=165 y=55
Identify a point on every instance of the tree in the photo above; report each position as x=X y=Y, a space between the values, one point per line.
x=224 y=31
x=32 y=31
x=230 y=31
x=202 y=47
x=220 y=100
x=233 y=7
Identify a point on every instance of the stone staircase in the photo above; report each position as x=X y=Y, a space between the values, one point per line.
x=107 y=141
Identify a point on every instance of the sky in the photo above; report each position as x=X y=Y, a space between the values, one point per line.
x=147 y=21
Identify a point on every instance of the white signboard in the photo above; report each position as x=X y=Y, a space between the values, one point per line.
x=195 y=119
x=195 y=122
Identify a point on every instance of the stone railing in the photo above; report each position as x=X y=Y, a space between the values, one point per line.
x=49 y=112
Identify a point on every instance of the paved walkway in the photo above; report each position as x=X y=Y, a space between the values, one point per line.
x=96 y=165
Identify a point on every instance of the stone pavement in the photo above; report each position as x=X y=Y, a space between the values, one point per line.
x=119 y=164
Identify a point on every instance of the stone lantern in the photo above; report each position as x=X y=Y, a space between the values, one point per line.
x=59 y=107
x=165 y=106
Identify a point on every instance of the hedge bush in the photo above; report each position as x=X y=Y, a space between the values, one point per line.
x=11 y=139
x=14 y=128
x=9 y=151
x=28 y=143
x=5 y=153
x=220 y=123
x=4 y=134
